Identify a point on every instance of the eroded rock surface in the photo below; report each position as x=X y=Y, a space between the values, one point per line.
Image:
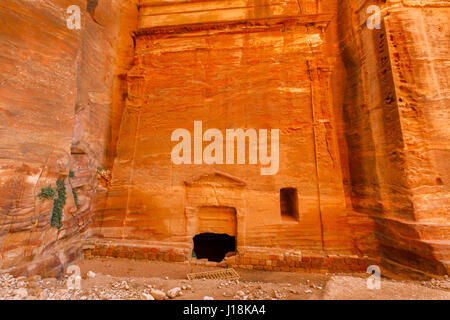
x=55 y=109
x=362 y=115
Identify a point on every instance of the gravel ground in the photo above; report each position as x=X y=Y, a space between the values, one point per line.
x=116 y=279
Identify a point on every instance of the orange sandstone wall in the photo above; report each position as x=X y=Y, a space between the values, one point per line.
x=268 y=70
x=395 y=110
x=362 y=117
x=55 y=107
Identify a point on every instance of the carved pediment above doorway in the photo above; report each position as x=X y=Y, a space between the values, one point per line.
x=216 y=179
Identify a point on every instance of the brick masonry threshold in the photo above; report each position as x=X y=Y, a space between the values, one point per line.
x=263 y=259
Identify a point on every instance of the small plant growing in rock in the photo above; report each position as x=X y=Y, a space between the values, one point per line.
x=75 y=198
x=47 y=193
x=74 y=193
x=58 y=204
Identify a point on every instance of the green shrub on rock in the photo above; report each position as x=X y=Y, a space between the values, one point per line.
x=58 y=204
x=47 y=193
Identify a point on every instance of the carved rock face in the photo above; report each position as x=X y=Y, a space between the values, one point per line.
x=361 y=115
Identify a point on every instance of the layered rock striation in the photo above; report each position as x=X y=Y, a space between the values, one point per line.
x=395 y=109
x=361 y=114
x=56 y=93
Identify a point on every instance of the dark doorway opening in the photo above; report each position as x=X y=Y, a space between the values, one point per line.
x=213 y=246
x=289 y=203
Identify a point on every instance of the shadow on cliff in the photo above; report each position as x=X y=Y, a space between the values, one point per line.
x=375 y=152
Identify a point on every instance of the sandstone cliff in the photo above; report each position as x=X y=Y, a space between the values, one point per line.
x=365 y=112
x=395 y=109
x=56 y=114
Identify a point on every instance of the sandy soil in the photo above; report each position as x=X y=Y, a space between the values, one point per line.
x=125 y=279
